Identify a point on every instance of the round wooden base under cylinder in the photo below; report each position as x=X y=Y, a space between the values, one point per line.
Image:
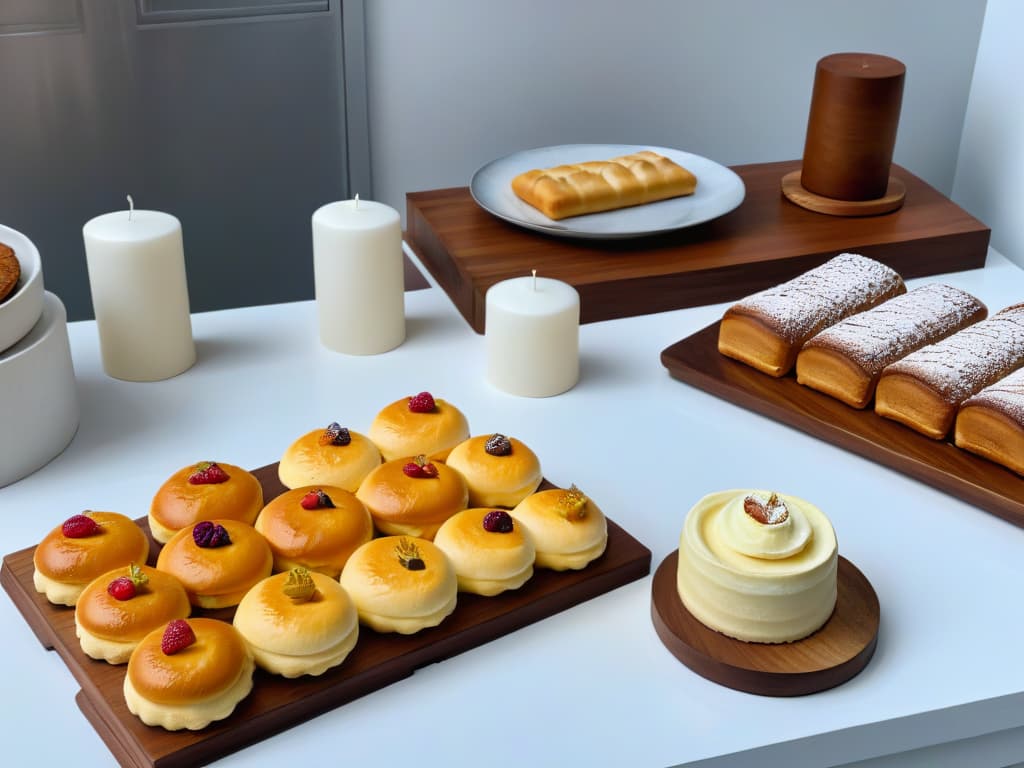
x=851 y=128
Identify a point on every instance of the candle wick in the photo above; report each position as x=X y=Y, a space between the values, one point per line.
x=131 y=206
x=357 y=201
x=535 y=279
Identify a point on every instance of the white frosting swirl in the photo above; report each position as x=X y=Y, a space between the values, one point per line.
x=769 y=541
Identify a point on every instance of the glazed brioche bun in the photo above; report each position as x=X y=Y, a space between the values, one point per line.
x=319 y=539
x=308 y=462
x=292 y=638
x=486 y=562
x=393 y=598
x=64 y=565
x=179 y=503
x=217 y=577
x=412 y=506
x=564 y=540
x=109 y=629
x=193 y=687
x=399 y=432
x=496 y=480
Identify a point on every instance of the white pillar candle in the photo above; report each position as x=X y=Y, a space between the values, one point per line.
x=532 y=328
x=136 y=264
x=360 y=278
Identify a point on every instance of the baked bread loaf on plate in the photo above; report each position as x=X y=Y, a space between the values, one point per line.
x=768 y=329
x=991 y=423
x=845 y=360
x=603 y=185
x=925 y=388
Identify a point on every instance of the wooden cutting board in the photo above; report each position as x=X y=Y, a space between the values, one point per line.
x=277 y=703
x=697 y=361
x=763 y=242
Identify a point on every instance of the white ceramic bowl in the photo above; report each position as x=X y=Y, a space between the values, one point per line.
x=39 y=402
x=20 y=311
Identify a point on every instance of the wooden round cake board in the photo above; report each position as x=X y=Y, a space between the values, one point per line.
x=830 y=656
x=795 y=193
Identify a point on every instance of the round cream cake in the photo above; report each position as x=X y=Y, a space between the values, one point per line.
x=758 y=566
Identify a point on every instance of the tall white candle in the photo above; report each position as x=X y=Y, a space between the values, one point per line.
x=360 y=279
x=532 y=336
x=136 y=264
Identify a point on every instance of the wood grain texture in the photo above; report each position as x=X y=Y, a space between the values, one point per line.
x=277 y=703
x=851 y=128
x=982 y=483
x=825 y=659
x=793 y=189
x=765 y=241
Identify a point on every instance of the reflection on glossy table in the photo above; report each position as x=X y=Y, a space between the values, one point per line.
x=592 y=685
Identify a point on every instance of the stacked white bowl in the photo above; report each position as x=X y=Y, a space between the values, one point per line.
x=38 y=399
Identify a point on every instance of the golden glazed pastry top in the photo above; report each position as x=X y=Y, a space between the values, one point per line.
x=201 y=671
x=155 y=603
x=321 y=538
x=179 y=503
x=311 y=460
x=217 y=570
x=78 y=561
x=496 y=479
x=271 y=620
x=398 y=431
x=413 y=505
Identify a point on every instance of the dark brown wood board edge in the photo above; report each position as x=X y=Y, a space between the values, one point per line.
x=696 y=361
x=837 y=652
x=261 y=715
x=25 y=603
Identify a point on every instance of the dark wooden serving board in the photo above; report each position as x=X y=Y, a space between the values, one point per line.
x=696 y=361
x=836 y=652
x=277 y=703
x=765 y=241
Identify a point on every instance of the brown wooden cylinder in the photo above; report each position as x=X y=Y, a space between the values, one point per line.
x=851 y=129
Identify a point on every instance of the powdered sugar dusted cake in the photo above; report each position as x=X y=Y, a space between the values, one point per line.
x=991 y=423
x=924 y=389
x=767 y=330
x=846 y=359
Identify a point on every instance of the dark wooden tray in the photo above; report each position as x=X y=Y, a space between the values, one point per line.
x=277 y=703
x=765 y=241
x=696 y=361
x=829 y=657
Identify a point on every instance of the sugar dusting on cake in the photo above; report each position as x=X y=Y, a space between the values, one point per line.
x=1005 y=396
x=896 y=327
x=971 y=359
x=822 y=296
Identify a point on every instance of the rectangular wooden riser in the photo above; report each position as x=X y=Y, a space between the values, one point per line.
x=277 y=703
x=765 y=241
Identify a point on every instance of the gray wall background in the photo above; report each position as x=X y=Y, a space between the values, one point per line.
x=456 y=83
x=433 y=90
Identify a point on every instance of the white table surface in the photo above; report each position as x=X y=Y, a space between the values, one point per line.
x=593 y=685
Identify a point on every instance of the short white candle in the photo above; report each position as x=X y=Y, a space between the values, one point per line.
x=136 y=264
x=360 y=278
x=532 y=329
